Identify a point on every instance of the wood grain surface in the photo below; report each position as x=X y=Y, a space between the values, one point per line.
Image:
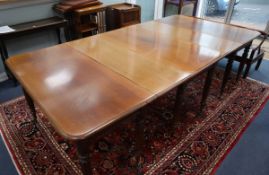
x=85 y=85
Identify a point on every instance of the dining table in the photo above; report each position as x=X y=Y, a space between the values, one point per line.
x=88 y=85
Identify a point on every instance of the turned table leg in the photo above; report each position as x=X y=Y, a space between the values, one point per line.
x=84 y=156
x=32 y=123
x=139 y=139
x=244 y=60
x=4 y=55
x=180 y=90
x=206 y=89
x=139 y=144
x=226 y=74
x=31 y=105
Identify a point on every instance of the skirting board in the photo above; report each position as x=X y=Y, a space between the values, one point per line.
x=3 y=77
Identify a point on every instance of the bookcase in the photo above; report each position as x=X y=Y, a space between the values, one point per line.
x=101 y=18
x=89 y=21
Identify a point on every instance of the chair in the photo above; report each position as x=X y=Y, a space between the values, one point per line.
x=180 y=4
x=252 y=54
x=247 y=56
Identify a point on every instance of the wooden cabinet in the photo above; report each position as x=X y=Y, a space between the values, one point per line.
x=90 y=20
x=122 y=15
x=101 y=18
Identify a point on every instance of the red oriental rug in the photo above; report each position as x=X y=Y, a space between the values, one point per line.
x=196 y=145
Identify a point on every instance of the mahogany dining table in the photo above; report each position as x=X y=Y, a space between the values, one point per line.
x=87 y=85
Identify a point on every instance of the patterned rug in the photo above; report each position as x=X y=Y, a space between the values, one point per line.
x=195 y=145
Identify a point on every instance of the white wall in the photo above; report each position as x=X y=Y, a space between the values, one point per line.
x=14 y=15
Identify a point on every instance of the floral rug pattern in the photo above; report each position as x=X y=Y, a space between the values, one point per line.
x=194 y=144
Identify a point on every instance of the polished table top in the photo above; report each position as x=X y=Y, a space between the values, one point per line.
x=88 y=84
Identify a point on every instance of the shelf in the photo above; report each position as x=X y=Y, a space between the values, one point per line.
x=87 y=27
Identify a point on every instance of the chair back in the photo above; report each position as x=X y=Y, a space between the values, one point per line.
x=180 y=4
x=264 y=36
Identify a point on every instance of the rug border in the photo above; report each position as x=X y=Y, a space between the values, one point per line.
x=232 y=143
x=21 y=170
x=239 y=136
x=11 y=152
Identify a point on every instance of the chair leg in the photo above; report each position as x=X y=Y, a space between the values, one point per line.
x=164 y=9
x=258 y=64
x=179 y=9
x=247 y=71
x=194 y=8
x=240 y=69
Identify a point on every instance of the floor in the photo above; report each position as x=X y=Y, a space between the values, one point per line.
x=249 y=157
x=253 y=15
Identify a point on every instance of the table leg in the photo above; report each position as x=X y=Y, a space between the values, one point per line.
x=139 y=142
x=84 y=156
x=206 y=89
x=4 y=56
x=242 y=62
x=226 y=74
x=4 y=50
x=240 y=69
x=179 y=93
x=31 y=106
x=245 y=59
x=32 y=123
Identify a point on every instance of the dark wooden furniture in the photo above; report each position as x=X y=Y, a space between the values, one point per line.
x=248 y=55
x=180 y=4
x=100 y=18
x=252 y=54
x=81 y=17
x=53 y=23
x=90 y=20
x=122 y=15
x=87 y=86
